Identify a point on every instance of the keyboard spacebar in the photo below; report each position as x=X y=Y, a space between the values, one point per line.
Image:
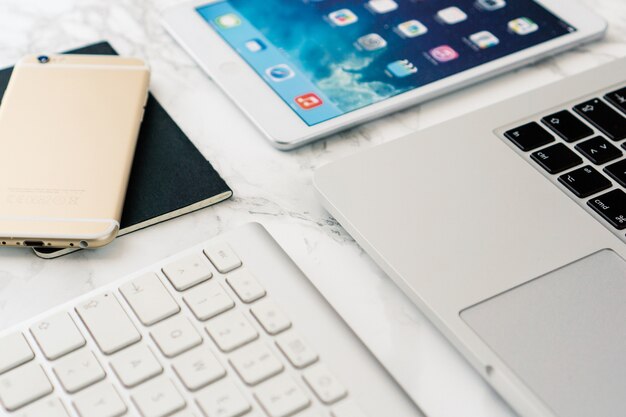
x=108 y=323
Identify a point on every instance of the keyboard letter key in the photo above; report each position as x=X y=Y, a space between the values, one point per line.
x=271 y=317
x=208 y=300
x=149 y=299
x=158 y=398
x=231 y=330
x=255 y=363
x=296 y=349
x=222 y=257
x=222 y=399
x=135 y=365
x=175 y=336
x=245 y=286
x=188 y=271
x=101 y=400
x=198 y=368
x=57 y=335
x=281 y=397
x=324 y=384
x=108 y=323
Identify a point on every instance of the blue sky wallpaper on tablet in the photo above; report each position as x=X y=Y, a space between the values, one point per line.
x=325 y=58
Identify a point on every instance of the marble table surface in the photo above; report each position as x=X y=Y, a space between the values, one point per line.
x=270 y=186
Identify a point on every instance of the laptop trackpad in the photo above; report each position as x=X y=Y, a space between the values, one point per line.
x=564 y=335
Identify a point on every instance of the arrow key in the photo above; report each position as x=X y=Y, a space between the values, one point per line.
x=598 y=150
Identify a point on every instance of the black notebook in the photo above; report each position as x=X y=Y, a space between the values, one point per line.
x=169 y=178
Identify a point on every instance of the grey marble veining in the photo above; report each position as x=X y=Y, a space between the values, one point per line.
x=270 y=186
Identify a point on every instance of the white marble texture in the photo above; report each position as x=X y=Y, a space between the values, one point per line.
x=270 y=186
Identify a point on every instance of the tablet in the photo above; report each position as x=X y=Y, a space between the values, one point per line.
x=303 y=69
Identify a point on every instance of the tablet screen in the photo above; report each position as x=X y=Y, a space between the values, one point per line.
x=326 y=58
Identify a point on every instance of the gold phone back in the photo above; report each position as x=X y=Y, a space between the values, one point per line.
x=68 y=130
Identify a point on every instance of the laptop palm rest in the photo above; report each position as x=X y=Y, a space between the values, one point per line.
x=564 y=335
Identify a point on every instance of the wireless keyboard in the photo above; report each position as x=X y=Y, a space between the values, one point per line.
x=229 y=328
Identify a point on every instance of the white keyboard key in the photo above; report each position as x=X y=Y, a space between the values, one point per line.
x=188 y=271
x=23 y=385
x=78 y=370
x=231 y=330
x=46 y=407
x=245 y=286
x=281 y=397
x=198 y=368
x=222 y=399
x=135 y=365
x=158 y=398
x=222 y=257
x=347 y=409
x=270 y=317
x=149 y=299
x=255 y=363
x=101 y=400
x=256 y=413
x=296 y=349
x=208 y=300
x=14 y=351
x=311 y=413
x=175 y=336
x=324 y=384
x=57 y=335
x=108 y=323
x=185 y=413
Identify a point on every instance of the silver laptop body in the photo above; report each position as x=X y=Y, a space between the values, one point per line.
x=526 y=279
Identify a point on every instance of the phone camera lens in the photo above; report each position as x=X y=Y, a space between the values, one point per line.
x=43 y=59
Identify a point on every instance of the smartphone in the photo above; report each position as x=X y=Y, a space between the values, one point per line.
x=68 y=130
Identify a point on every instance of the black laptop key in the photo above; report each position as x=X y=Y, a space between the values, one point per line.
x=585 y=181
x=529 y=136
x=611 y=206
x=567 y=126
x=617 y=171
x=598 y=150
x=607 y=120
x=556 y=158
x=618 y=98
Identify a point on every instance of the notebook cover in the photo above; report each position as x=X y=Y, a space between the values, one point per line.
x=169 y=177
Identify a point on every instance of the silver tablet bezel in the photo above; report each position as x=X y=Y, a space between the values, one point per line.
x=286 y=130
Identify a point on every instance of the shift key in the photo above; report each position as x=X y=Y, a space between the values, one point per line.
x=108 y=323
x=611 y=206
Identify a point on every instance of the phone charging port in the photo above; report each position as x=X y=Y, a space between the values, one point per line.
x=33 y=243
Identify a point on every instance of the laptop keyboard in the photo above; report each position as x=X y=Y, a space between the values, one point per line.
x=581 y=147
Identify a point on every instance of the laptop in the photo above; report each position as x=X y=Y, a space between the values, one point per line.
x=506 y=227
